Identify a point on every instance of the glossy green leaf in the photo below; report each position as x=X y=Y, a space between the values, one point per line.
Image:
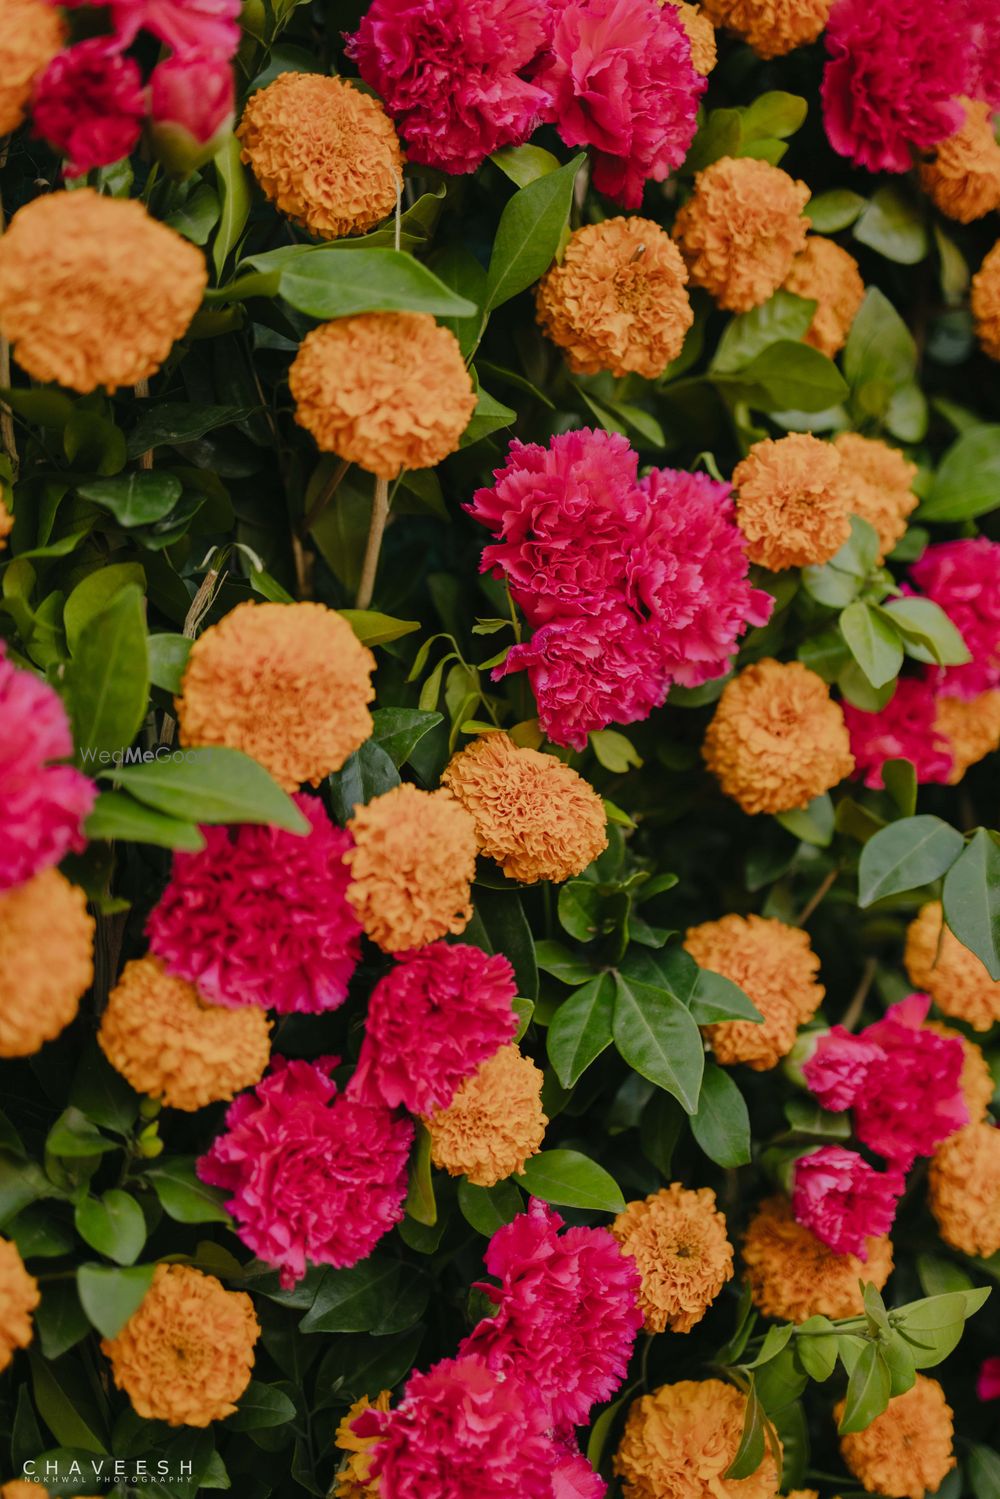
x=721 y=1124
x=657 y=1036
x=528 y=234
x=569 y=1179
x=330 y=284
x=107 y=679
x=873 y=641
x=968 y=479
x=109 y=1297
x=581 y=1029
x=115 y=815
x=972 y=899
x=867 y=1390
x=212 y=785
x=906 y=855
x=113 y=1224
x=135 y=499
x=182 y=1195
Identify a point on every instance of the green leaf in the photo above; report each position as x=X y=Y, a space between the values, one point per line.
x=421 y=1205
x=929 y=634
x=368 y=773
x=579 y=907
x=112 y=1224
x=782 y=316
x=107 y=678
x=182 y=1195
x=327 y=283
x=938 y=1275
x=60 y=1320
x=815 y=1352
x=102 y=1094
x=614 y=751
x=715 y=998
x=721 y=1125
x=880 y=354
x=867 y=1390
x=557 y=960
x=353 y=1300
x=525 y=164
x=110 y=1297
x=805 y=1117
x=489 y=416
x=899 y=777
x=373 y=628
x=95 y=593
x=972 y=899
x=581 y=1029
x=968 y=479
x=73 y=1137
x=488 y=1208
x=197 y=215
x=174 y=423
x=788 y=376
x=21 y=1182
x=982 y=1466
x=507 y=927
x=657 y=1036
x=569 y=1179
x=750 y=1452
x=261 y=1405
x=776 y=1339
x=773 y=114
x=834 y=210
x=932 y=1313
x=398 y=731
x=212 y=785
x=906 y=855
x=58 y=1402
x=813 y=824
x=116 y=815
x=529 y=232
x=135 y=499
x=234 y=195
x=168 y=655
x=873 y=642
x=893 y=224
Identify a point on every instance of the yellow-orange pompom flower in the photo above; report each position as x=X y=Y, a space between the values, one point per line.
x=19 y=1297
x=771 y=27
x=964 y=177
x=701 y=34
x=186 y=1355
x=971 y=727
x=46 y=960
x=354 y=1480
x=160 y=1035
x=775 y=966
x=985 y=302
x=790 y=503
x=906 y=1451
x=681 y=1439
x=741 y=230
x=618 y=300
x=826 y=274
x=93 y=292
x=793 y=1275
x=964 y=1189
x=679 y=1243
x=877 y=483
x=977 y=1079
x=944 y=968
x=288 y=684
x=777 y=739
x=384 y=390
x=412 y=866
x=535 y=817
x=493 y=1123
x=324 y=153
x=31 y=33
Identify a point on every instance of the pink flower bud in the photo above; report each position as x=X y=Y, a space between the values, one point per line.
x=191 y=110
x=89 y=105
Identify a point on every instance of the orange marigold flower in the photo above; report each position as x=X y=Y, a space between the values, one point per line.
x=354 y=1481
x=907 y=1450
x=617 y=302
x=701 y=34
x=790 y=503
x=827 y=275
x=161 y=1036
x=777 y=739
x=793 y=1275
x=678 y=1241
x=324 y=153
x=493 y=1123
x=535 y=817
x=288 y=684
x=877 y=483
x=944 y=968
x=93 y=292
x=412 y=865
x=46 y=960
x=681 y=1439
x=18 y=1298
x=985 y=302
x=775 y=966
x=964 y=1189
x=971 y=727
x=31 y=33
x=186 y=1355
x=771 y=27
x=741 y=230
x=964 y=177
x=385 y=390
x=977 y=1079
x=6 y=524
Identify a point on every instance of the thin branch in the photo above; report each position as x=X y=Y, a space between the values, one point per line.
x=827 y=883
x=141 y=389
x=324 y=497
x=852 y=1014
x=6 y=415
x=376 y=530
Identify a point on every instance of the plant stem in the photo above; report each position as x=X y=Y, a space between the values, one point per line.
x=810 y=906
x=852 y=1014
x=376 y=530
x=324 y=497
x=141 y=389
x=6 y=415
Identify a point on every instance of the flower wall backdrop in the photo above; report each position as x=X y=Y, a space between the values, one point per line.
x=499 y=704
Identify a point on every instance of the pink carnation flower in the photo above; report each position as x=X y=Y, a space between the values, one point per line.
x=208 y=27
x=589 y=671
x=432 y=1020
x=42 y=806
x=566 y=1314
x=574 y=1478
x=913 y=1099
x=843 y=1200
x=311 y=1176
x=839 y=1069
x=963 y=577
x=89 y=104
x=903 y=729
x=983 y=17
x=566 y=518
x=450 y=72
x=988 y=1383
x=892 y=83
x=461 y=1429
x=260 y=916
x=622 y=82
x=688 y=574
